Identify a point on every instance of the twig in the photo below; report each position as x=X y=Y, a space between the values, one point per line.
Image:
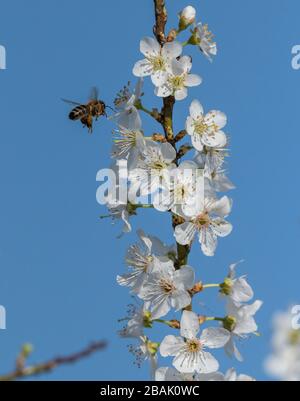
x=161 y=18
x=46 y=367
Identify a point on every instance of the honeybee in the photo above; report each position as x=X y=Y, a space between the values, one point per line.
x=95 y=108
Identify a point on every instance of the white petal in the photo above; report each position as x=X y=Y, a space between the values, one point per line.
x=130 y=119
x=186 y=276
x=189 y=125
x=231 y=350
x=218 y=118
x=241 y=291
x=159 y=78
x=186 y=63
x=192 y=80
x=230 y=375
x=216 y=140
x=163 y=91
x=168 y=152
x=221 y=207
x=197 y=142
x=207 y=363
x=160 y=308
x=181 y=94
x=184 y=233
x=252 y=309
x=142 y=68
x=171 y=345
x=215 y=337
x=208 y=241
x=180 y=299
x=189 y=325
x=196 y=109
x=163 y=201
x=221 y=227
x=172 y=50
x=149 y=47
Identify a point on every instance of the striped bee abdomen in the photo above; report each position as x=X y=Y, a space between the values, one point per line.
x=78 y=112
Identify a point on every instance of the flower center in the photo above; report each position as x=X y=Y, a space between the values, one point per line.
x=194 y=345
x=177 y=81
x=167 y=286
x=158 y=63
x=202 y=126
x=180 y=193
x=203 y=220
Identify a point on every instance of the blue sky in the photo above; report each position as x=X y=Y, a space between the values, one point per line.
x=58 y=262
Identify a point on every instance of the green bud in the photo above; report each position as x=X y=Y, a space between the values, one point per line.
x=27 y=349
x=229 y=323
x=226 y=286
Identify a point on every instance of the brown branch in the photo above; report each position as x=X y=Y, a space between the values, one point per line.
x=46 y=367
x=180 y=136
x=161 y=18
x=167 y=117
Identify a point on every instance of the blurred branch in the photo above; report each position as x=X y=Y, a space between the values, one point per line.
x=23 y=371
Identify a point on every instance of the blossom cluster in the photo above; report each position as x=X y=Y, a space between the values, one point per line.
x=189 y=190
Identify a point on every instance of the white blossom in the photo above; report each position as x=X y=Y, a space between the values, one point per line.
x=179 y=79
x=236 y=289
x=121 y=211
x=128 y=144
x=146 y=350
x=154 y=166
x=127 y=115
x=240 y=323
x=142 y=258
x=135 y=322
x=211 y=159
x=157 y=59
x=209 y=223
x=205 y=129
x=204 y=39
x=172 y=374
x=189 y=350
x=182 y=189
x=167 y=288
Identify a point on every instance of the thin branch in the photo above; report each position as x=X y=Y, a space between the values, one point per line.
x=161 y=18
x=46 y=367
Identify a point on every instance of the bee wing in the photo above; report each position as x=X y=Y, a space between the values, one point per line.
x=94 y=93
x=71 y=102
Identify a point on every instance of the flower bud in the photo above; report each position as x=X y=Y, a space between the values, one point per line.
x=226 y=287
x=229 y=323
x=186 y=17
